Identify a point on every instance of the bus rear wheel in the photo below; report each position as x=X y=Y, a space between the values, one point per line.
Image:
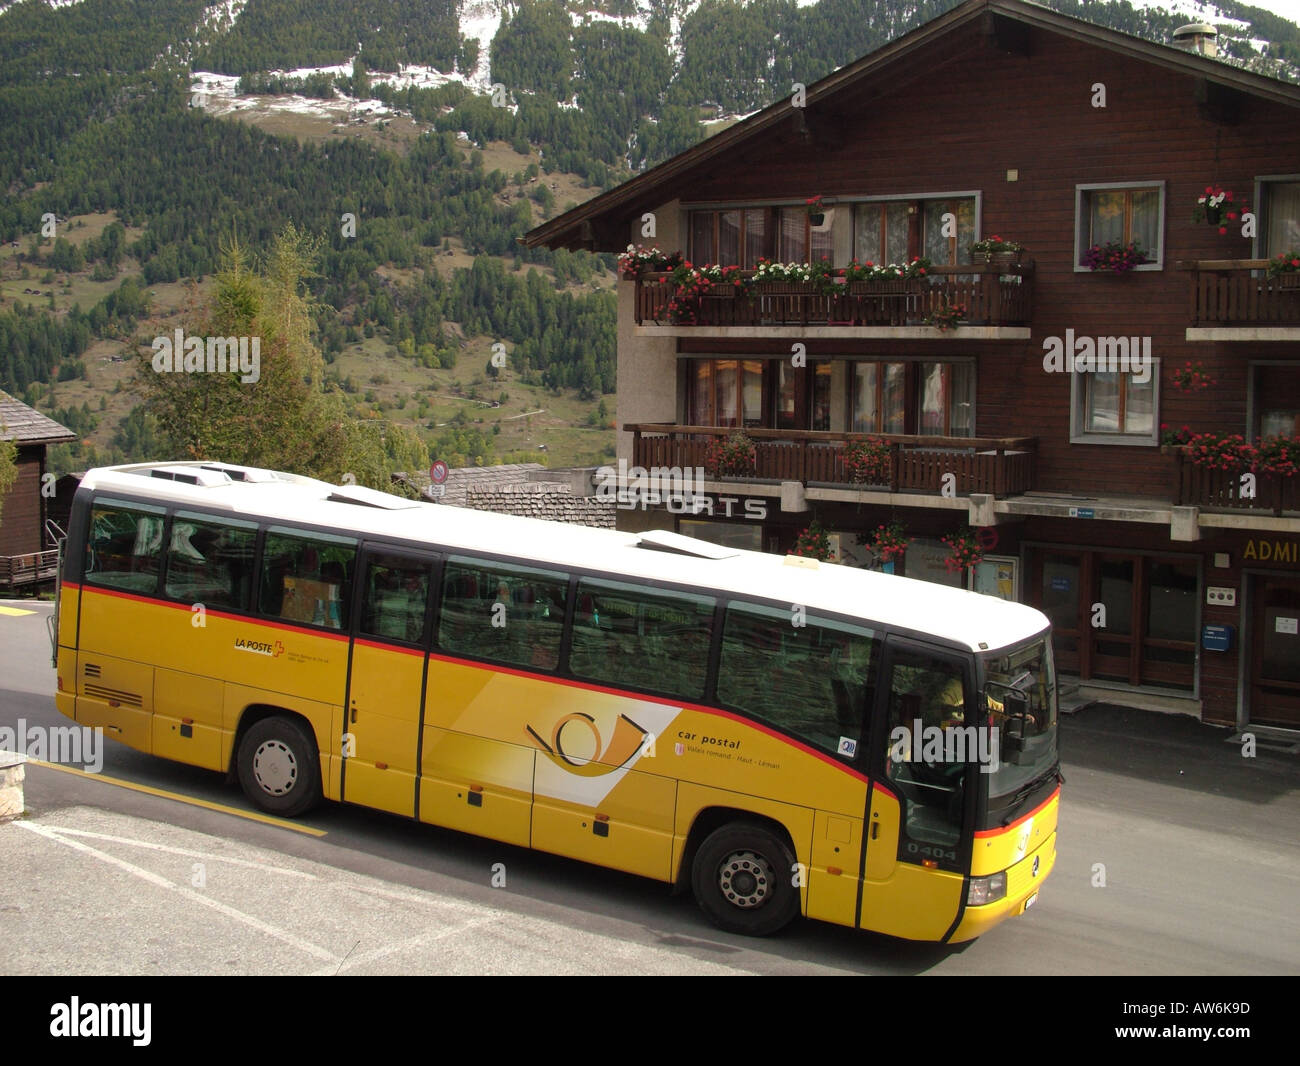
x=279 y=767
x=743 y=879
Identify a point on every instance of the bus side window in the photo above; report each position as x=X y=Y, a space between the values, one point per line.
x=396 y=594
x=307 y=580
x=502 y=612
x=636 y=636
x=810 y=680
x=124 y=550
x=210 y=561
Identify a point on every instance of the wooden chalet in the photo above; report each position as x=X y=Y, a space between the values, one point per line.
x=1164 y=577
x=27 y=551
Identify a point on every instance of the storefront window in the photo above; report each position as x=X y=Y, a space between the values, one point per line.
x=746 y=535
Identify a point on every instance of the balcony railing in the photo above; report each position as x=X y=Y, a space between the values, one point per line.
x=1220 y=490
x=31 y=569
x=992 y=296
x=1236 y=292
x=1002 y=466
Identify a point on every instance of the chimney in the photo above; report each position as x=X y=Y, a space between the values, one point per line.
x=1198 y=37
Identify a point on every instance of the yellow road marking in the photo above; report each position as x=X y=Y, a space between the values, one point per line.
x=252 y=816
x=15 y=611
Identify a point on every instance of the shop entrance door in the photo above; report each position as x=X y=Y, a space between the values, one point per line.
x=1275 y=653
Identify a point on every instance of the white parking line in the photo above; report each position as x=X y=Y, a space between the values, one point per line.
x=156 y=879
x=206 y=855
x=403 y=945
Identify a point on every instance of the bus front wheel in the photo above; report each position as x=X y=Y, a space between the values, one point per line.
x=744 y=880
x=279 y=767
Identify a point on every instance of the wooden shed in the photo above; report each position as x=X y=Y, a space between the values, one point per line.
x=27 y=554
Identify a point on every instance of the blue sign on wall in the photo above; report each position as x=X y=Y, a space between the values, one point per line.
x=1216 y=638
x=1060 y=584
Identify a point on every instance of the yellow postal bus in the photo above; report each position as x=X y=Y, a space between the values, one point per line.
x=778 y=736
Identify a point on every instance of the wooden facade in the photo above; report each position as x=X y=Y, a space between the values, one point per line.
x=27 y=554
x=1066 y=119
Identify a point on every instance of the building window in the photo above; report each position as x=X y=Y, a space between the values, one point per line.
x=726 y=392
x=1275 y=400
x=798 y=241
x=893 y=231
x=946 y=400
x=1114 y=408
x=879 y=391
x=803 y=396
x=943 y=404
x=730 y=238
x=1120 y=214
x=746 y=535
x=1279 y=203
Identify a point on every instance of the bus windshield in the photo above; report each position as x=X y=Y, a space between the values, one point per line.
x=1020 y=696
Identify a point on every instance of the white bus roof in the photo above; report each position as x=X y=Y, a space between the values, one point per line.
x=974 y=621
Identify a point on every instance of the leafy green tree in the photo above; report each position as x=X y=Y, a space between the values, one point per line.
x=8 y=467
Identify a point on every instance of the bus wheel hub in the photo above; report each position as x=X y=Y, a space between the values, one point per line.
x=275 y=768
x=745 y=879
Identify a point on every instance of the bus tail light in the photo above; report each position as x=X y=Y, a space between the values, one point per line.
x=986 y=889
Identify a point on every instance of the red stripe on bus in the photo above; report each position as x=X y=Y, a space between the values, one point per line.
x=1022 y=818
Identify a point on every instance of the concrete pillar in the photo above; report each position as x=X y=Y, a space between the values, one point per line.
x=12 y=771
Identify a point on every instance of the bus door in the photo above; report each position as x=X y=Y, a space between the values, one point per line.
x=919 y=812
x=384 y=704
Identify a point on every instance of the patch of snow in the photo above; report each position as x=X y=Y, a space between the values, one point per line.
x=222 y=15
x=1200 y=11
x=481 y=19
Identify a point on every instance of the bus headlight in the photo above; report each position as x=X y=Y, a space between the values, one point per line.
x=986 y=889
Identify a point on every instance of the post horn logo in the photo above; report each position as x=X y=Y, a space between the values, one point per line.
x=628 y=738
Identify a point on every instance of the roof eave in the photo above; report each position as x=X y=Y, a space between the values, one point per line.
x=577 y=228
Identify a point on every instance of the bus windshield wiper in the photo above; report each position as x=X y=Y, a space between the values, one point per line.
x=1020 y=797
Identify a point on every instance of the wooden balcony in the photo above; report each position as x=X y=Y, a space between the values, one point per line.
x=1001 y=466
x=1233 y=299
x=30 y=569
x=1220 y=490
x=995 y=297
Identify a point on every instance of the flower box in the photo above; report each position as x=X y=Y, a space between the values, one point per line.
x=997 y=258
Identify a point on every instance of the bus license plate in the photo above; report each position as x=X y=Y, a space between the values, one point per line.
x=1029 y=903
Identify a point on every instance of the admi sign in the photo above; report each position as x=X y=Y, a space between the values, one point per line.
x=1260 y=550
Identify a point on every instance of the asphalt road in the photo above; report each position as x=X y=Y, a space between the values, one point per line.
x=1177 y=856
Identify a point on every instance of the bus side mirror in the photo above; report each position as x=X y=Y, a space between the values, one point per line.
x=1015 y=707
